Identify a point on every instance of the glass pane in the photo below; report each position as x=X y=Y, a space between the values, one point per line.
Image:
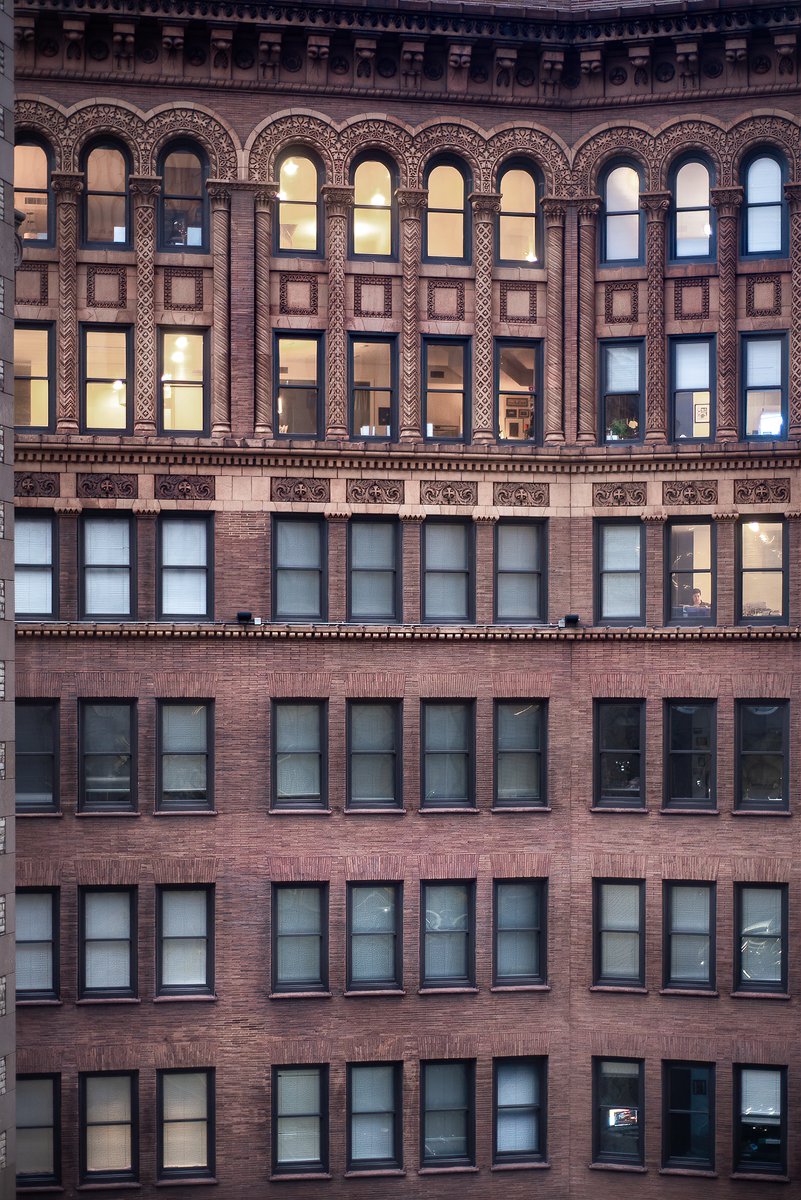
x=373 y=909
x=763 y=367
x=446 y=727
x=35 y=1150
x=372 y=545
x=761 y=910
x=622 y=368
x=689 y=909
x=622 y=238
x=762 y=545
x=764 y=229
x=297 y=224
x=764 y=181
x=108 y=1148
x=621 y=548
x=518 y=1084
x=446 y=546
x=298 y=179
x=183 y=913
x=298 y=1139
x=622 y=190
x=184 y=728
x=692 y=186
x=692 y=365
x=372 y=364
x=299 y=910
x=106 y=219
x=183 y=174
x=372 y=184
x=106 y=170
x=34 y=916
x=446 y=596
x=518 y=191
x=31 y=179
x=185 y=1145
x=184 y=543
x=446 y=188
x=372 y=727
x=518 y=239
x=760 y=1092
x=297 y=361
x=182 y=401
x=31 y=352
x=107 y=914
x=372 y=231
x=445 y=235
x=298 y=544
x=107 y=728
x=372 y=1137
x=693 y=233
x=33 y=541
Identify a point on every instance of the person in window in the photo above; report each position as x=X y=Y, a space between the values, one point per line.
x=699 y=606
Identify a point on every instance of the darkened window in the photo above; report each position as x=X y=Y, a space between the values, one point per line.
x=621 y=233
x=762 y=776
x=619 y=933
x=760 y=1112
x=108 y=555
x=622 y=391
x=760 y=952
x=299 y=228
x=764 y=386
x=620 y=585
x=447 y=219
x=689 y=917
x=183 y=204
x=38 y=1131
x=37 y=971
x=299 y=754
x=448 y=920
x=186 y=556
x=688 y=1117
x=374 y=229
x=107 y=968
x=298 y=361
x=447 y=1093
x=762 y=593
x=764 y=217
x=106 y=201
x=375 y=1116
x=692 y=232
x=520 y=763
x=34 y=376
x=519 y=409
x=183 y=382
x=186 y=732
x=620 y=753
x=448 y=587
x=185 y=1122
x=37 y=756
x=520 y=549
x=519 y=932
x=185 y=917
x=619 y=1116
x=375 y=933
x=108 y=764
x=35 y=564
x=33 y=195
x=375 y=779
x=690 y=754
x=690 y=550
x=692 y=365
x=373 y=387
x=300 y=937
x=519 y=236
x=109 y=1149
x=105 y=379
x=445 y=372
x=374 y=587
x=299 y=557
x=520 y=1110
x=448 y=768
x=300 y=1119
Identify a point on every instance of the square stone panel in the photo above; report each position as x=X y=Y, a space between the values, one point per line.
x=299 y=295
x=445 y=301
x=621 y=303
x=372 y=295
x=106 y=287
x=691 y=299
x=763 y=295
x=32 y=284
x=519 y=303
x=183 y=288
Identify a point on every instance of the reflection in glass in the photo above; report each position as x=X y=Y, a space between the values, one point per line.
x=618 y=1097
x=517 y=385
x=688 y=1136
x=620 y=754
x=759 y=1144
x=106 y=197
x=763 y=781
x=691 y=728
x=182 y=204
x=444 y=394
x=761 y=938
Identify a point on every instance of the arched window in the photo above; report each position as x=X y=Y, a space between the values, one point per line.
x=374 y=183
x=106 y=209
x=184 y=223
x=299 y=229
x=32 y=195
x=622 y=227
x=447 y=225
x=765 y=216
x=518 y=222
x=693 y=228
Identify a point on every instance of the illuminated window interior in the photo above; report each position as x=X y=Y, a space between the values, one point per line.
x=690 y=572
x=31 y=382
x=372 y=389
x=296 y=399
x=693 y=218
x=106 y=200
x=31 y=170
x=445 y=213
x=106 y=376
x=762 y=553
x=182 y=381
x=692 y=397
x=182 y=200
x=297 y=204
x=517 y=414
x=372 y=212
x=518 y=219
x=445 y=390
x=763 y=388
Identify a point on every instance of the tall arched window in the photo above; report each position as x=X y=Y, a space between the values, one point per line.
x=184 y=222
x=299 y=228
x=622 y=226
x=765 y=215
x=447 y=225
x=32 y=193
x=374 y=182
x=106 y=204
x=693 y=228
x=518 y=223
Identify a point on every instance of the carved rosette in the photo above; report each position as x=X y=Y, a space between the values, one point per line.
x=107 y=487
x=145 y=189
x=762 y=491
x=220 y=197
x=184 y=487
x=411 y=206
x=522 y=495
x=313 y=491
x=619 y=495
x=793 y=191
x=703 y=491
x=727 y=201
x=555 y=211
x=338 y=206
x=263 y=375
x=588 y=209
x=67 y=186
x=486 y=205
x=656 y=205
x=37 y=484
x=446 y=491
x=375 y=491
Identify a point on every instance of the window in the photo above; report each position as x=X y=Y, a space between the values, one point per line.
x=38 y=1131
x=375 y=1116
x=108 y=943
x=519 y=932
x=298 y=401
x=760 y=1136
x=183 y=388
x=299 y=557
x=106 y=204
x=35 y=563
x=186 y=730
x=692 y=365
x=445 y=372
x=762 y=749
x=518 y=221
x=37 y=944
x=184 y=220
x=375 y=937
x=374 y=593
x=186 y=556
x=37 y=756
x=690 y=758
x=185 y=918
x=374 y=219
x=299 y=755
x=520 y=548
x=519 y=1102
x=448 y=918
x=109 y=1150
x=300 y=938
x=185 y=1119
x=448 y=740
x=520 y=768
x=690 y=552
x=764 y=374
x=620 y=590
x=373 y=374
x=375 y=780
x=299 y=228
x=762 y=598
x=622 y=391
x=620 y=753
x=448 y=1113
x=765 y=210
x=448 y=589
x=300 y=1120
x=108 y=552
x=518 y=375
x=108 y=767
x=32 y=192
x=447 y=222
x=622 y=219
x=106 y=357
x=33 y=376
x=688 y=1121
x=760 y=958
x=619 y=933
x=693 y=230
x=690 y=936
x=619 y=1117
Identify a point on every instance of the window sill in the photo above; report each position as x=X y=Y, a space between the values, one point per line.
x=93 y=1000
x=388 y=1172
x=186 y=998
x=709 y=993
x=760 y=995
x=301 y=812
x=185 y=812
x=628 y=1167
x=695 y=1172
x=437 y=812
x=107 y=1187
x=194 y=1181
x=605 y=808
x=520 y=987
x=447 y=991
x=689 y=812
x=624 y=989
x=375 y=812
x=36 y=816
x=290 y=1177
x=366 y=994
x=760 y=1176
x=38 y=1003
x=40 y=1189
x=116 y=816
x=301 y=996
x=521 y=808
x=448 y=1171
x=522 y=1166
x=761 y=812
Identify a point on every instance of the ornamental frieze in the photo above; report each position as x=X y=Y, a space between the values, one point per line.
x=761 y=491
x=705 y=491
x=522 y=495
x=375 y=491
x=300 y=490
x=37 y=483
x=445 y=491
x=185 y=487
x=619 y=495
x=107 y=487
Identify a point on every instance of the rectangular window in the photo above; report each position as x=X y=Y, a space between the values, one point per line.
x=620 y=754
x=375 y=1116
x=762 y=593
x=372 y=396
x=297 y=385
x=108 y=764
x=619 y=933
x=185 y=917
x=688 y=1119
x=690 y=554
x=760 y=953
x=622 y=391
x=106 y=369
x=108 y=942
x=760 y=1107
x=299 y=755
x=520 y=1110
x=300 y=1120
x=108 y=552
x=33 y=376
x=619 y=1117
x=448 y=1113
x=37 y=944
x=299 y=556
x=374 y=592
x=519 y=932
x=620 y=575
x=445 y=371
x=35 y=564
x=448 y=586
x=375 y=937
x=185 y=1121
x=518 y=403
x=764 y=373
x=448 y=741
x=109 y=1150
x=183 y=382
x=690 y=758
x=186 y=738
x=689 y=916
x=375 y=779
x=448 y=920
x=38 y=1131
x=520 y=761
x=186 y=556
x=520 y=572
x=762 y=777
x=300 y=938
x=37 y=756
x=692 y=363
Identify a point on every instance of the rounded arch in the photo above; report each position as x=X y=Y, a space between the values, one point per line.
x=199 y=124
x=282 y=131
x=299 y=227
x=37 y=119
x=95 y=119
x=775 y=133
x=678 y=139
x=183 y=202
x=374 y=134
x=549 y=155
x=454 y=138
x=600 y=147
x=446 y=227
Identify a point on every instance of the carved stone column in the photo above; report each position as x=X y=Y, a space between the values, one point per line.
x=555 y=211
x=263 y=377
x=145 y=189
x=727 y=202
x=793 y=191
x=588 y=209
x=411 y=206
x=338 y=208
x=486 y=206
x=67 y=185
x=220 y=196
x=656 y=205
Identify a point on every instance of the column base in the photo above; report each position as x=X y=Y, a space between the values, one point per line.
x=264 y=431
x=656 y=435
x=66 y=426
x=145 y=428
x=727 y=435
x=587 y=439
x=410 y=435
x=220 y=431
x=336 y=433
x=482 y=438
x=552 y=439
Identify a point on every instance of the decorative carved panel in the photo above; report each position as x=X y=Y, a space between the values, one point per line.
x=691 y=299
x=445 y=301
x=519 y=303
x=106 y=287
x=107 y=487
x=702 y=491
x=446 y=491
x=317 y=490
x=372 y=295
x=761 y=491
x=183 y=288
x=763 y=295
x=32 y=283
x=619 y=495
x=375 y=491
x=299 y=294
x=37 y=483
x=185 y=487
x=522 y=495
x=621 y=303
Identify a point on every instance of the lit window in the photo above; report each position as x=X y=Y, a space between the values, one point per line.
x=38 y=1131
x=622 y=216
x=33 y=376
x=765 y=216
x=373 y=209
x=372 y=388
x=186 y=736
x=297 y=389
x=185 y=556
x=34 y=564
x=444 y=399
x=518 y=232
x=620 y=758
x=36 y=756
x=374 y=1116
x=185 y=941
x=519 y=409
x=298 y=204
x=186 y=1124
x=183 y=199
x=105 y=380
x=691 y=587
x=689 y=936
x=619 y=933
x=32 y=195
x=618 y=1102
x=375 y=949
x=762 y=741
x=622 y=394
x=449 y=1118
x=692 y=212
x=108 y=942
x=760 y=1134
x=106 y=201
x=182 y=382
x=764 y=401
x=693 y=418
x=519 y=1133
x=690 y=767
x=37 y=973
x=109 y=1150
x=760 y=952
x=445 y=213
x=448 y=913
x=300 y=1119
x=762 y=598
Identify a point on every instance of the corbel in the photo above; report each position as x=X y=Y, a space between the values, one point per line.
x=505 y=59
x=123 y=40
x=552 y=64
x=591 y=61
x=412 y=63
x=687 y=58
x=73 y=36
x=364 y=50
x=269 y=56
x=221 y=44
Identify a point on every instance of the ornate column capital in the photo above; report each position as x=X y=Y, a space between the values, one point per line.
x=144 y=188
x=655 y=204
x=793 y=193
x=219 y=193
x=265 y=196
x=726 y=200
x=338 y=200
x=412 y=203
x=67 y=184
x=554 y=209
x=486 y=205
x=588 y=209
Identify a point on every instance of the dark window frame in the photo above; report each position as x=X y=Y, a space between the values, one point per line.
x=685 y=1162
x=375 y=1164
x=29 y=138
x=380 y=519
x=603 y=178
x=449 y=160
x=48 y=327
x=133 y=574
x=275 y=567
x=132 y=991
x=616 y=982
x=187 y=331
x=605 y=344
x=639 y=801
x=466 y=343
x=668 y=932
x=599 y=1156
x=773 y=519
x=469 y=1159
x=397 y=707
x=188 y=1174
x=181 y=618
x=541 y=571
x=47 y=994
x=134 y=755
x=318 y=336
x=599 y=524
x=676 y=523
x=52 y=1179
x=322 y=709
x=283 y=987
x=683 y=160
x=687 y=805
x=192 y=805
x=502 y=805
x=391 y=340
x=374 y=986
x=469 y=526
x=301 y=152
x=106 y=143
x=758 y=807
x=779 y=156
x=518 y=162
x=308 y=1166
x=376 y=155
x=109 y=1177
x=764 y=335
x=86 y=327
x=188 y=146
x=541 y=978
x=439 y=702
x=762 y=986
x=55 y=720
x=194 y=989
x=42 y=514
x=459 y=982
x=755 y=1168
x=538 y=397
x=674 y=341
x=510 y=1157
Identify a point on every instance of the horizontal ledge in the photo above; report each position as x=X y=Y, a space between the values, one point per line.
x=194 y=1181
x=448 y=1171
x=447 y=991
x=19 y=1003
x=186 y=998
x=442 y=812
x=761 y=812
x=760 y=1176
x=106 y=1187
x=90 y=1001
x=521 y=808
x=689 y=812
x=185 y=812
x=374 y=812
x=28 y=816
x=521 y=1166
x=387 y=1173
x=366 y=994
x=41 y=1189
x=741 y=995
x=607 y=808
x=299 y=812
x=520 y=987
x=628 y=1167
x=695 y=1172
x=300 y=1176
x=300 y=995
x=115 y=815
x=708 y=993
x=634 y=990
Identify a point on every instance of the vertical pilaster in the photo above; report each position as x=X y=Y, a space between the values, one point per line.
x=486 y=206
x=726 y=528
x=263 y=378
x=412 y=531
x=67 y=186
x=793 y=191
x=588 y=209
x=144 y=190
x=485 y=522
x=338 y=208
x=656 y=205
x=220 y=196
x=726 y=202
x=411 y=206
x=555 y=211
x=654 y=559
